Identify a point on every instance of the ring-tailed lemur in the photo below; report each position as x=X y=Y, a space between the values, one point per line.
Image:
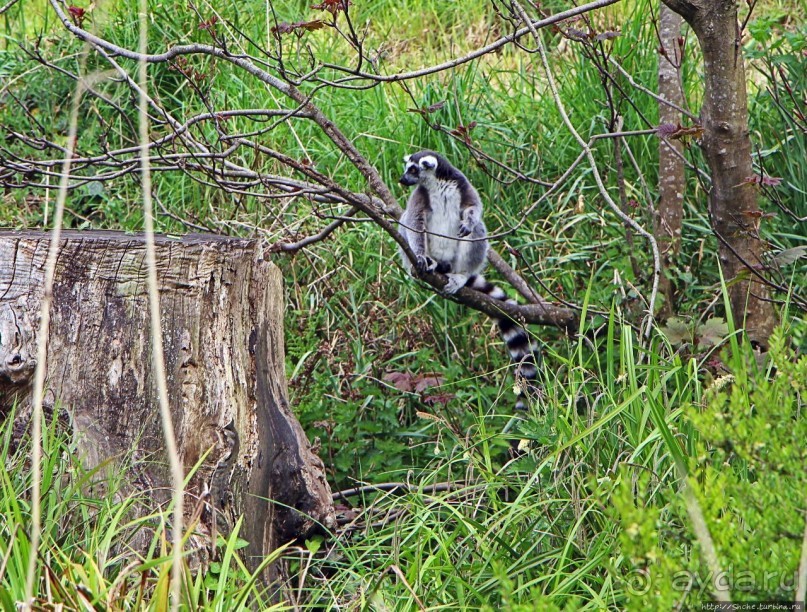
x=443 y=225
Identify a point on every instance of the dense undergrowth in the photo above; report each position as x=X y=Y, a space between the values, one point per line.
x=592 y=514
x=592 y=517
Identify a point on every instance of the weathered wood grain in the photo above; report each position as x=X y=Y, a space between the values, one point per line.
x=222 y=320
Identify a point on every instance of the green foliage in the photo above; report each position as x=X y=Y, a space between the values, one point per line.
x=778 y=53
x=590 y=514
x=94 y=551
x=754 y=463
x=701 y=335
x=748 y=469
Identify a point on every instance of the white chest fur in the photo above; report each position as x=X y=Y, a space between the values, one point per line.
x=444 y=221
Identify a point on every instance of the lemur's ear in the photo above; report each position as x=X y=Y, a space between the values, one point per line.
x=407 y=158
x=428 y=162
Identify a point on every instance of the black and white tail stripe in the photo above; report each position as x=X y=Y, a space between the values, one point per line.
x=524 y=351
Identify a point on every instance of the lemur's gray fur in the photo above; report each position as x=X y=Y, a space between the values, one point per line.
x=443 y=225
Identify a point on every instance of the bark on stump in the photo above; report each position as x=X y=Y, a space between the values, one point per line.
x=222 y=320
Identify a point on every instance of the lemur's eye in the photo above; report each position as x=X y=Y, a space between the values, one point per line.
x=412 y=170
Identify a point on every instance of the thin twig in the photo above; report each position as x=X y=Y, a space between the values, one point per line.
x=177 y=474
x=514 y=278
x=505 y=40
x=623 y=198
x=42 y=349
x=603 y=191
x=650 y=93
x=7 y=6
x=321 y=235
x=398 y=487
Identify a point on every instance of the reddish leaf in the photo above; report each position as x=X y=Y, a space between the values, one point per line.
x=209 y=24
x=429 y=109
x=310 y=26
x=678 y=132
x=424 y=381
x=464 y=131
x=298 y=27
x=77 y=13
x=332 y=6
x=284 y=27
x=767 y=181
x=182 y=65
x=400 y=380
x=758 y=214
x=607 y=35
x=696 y=131
x=666 y=129
x=438 y=398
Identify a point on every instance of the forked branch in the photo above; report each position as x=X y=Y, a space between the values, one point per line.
x=381 y=207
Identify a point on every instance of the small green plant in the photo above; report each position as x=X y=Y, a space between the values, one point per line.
x=89 y=554
x=748 y=469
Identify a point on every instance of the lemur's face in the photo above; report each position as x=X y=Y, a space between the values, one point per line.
x=418 y=167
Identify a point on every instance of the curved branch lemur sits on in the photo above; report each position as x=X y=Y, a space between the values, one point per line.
x=443 y=226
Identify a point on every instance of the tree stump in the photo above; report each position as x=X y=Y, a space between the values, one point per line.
x=222 y=320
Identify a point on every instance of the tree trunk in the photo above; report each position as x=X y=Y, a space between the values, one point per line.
x=669 y=209
x=222 y=320
x=727 y=147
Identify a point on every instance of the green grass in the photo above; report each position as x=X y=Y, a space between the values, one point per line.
x=592 y=513
x=591 y=517
x=96 y=548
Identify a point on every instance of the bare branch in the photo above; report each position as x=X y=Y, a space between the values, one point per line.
x=515 y=279
x=652 y=94
x=685 y=8
x=378 y=209
x=309 y=240
x=498 y=44
x=7 y=6
x=603 y=191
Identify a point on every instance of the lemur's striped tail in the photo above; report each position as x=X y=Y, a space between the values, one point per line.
x=524 y=351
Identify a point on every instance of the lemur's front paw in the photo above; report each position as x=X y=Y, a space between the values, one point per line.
x=425 y=264
x=465 y=229
x=455 y=283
